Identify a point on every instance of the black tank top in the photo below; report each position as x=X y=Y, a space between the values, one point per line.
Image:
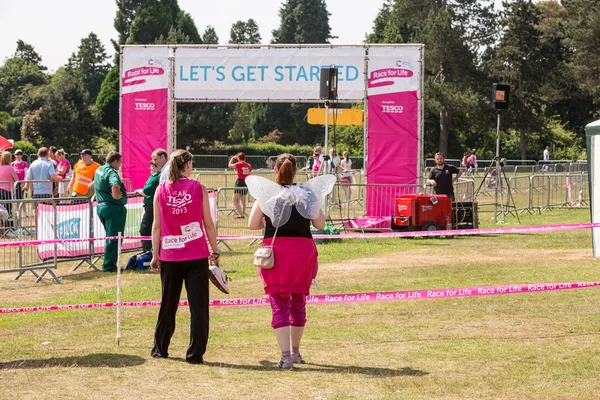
x=297 y=226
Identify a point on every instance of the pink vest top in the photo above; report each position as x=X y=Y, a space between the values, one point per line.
x=182 y=231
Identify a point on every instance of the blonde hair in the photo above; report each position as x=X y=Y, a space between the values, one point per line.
x=177 y=163
x=60 y=152
x=5 y=158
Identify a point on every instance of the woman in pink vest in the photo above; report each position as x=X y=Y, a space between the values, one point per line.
x=182 y=225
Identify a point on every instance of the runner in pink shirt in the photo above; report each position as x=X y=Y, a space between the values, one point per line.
x=182 y=225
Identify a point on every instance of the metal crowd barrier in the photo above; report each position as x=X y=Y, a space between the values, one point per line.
x=38 y=218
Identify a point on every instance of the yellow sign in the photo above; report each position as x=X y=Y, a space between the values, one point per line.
x=337 y=116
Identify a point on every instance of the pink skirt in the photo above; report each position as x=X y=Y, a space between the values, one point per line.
x=295 y=266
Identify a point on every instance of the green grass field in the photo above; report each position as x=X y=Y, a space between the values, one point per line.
x=539 y=345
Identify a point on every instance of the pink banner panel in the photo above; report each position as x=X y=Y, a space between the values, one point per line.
x=143 y=129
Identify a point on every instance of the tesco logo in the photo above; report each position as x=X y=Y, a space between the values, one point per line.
x=393 y=109
x=145 y=106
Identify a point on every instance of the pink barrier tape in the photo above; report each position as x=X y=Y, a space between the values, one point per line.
x=458 y=232
x=341 y=298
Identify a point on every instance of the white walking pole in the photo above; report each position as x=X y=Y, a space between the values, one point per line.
x=119 y=291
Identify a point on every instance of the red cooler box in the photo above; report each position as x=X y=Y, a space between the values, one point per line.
x=425 y=212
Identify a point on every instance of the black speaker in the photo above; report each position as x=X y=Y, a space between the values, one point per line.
x=328 y=84
x=500 y=96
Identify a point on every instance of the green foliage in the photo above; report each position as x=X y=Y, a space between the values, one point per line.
x=64 y=120
x=4 y=116
x=260 y=149
x=241 y=130
x=107 y=102
x=151 y=21
x=303 y=21
x=13 y=126
x=3 y=131
x=244 y=32
x=186 y=25
x=126 y=12
x=107 y=141
x=20 y=71
x=89 y=65
x=210 y=36
x=27 y=147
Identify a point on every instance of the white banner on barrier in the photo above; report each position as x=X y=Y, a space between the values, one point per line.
x=73 y=222
x=266 y=73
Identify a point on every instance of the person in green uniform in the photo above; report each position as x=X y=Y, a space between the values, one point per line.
x=148 y=193
x=111 y=197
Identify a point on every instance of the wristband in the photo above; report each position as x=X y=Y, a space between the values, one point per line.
x=216 y=255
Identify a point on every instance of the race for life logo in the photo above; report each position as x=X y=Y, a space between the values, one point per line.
x=69 y=229
x=189 y=233
x=137 y=76
x=386 y=76
x=426 y=208
x=402 y=207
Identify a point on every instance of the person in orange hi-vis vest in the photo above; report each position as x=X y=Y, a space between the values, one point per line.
x=83 y=175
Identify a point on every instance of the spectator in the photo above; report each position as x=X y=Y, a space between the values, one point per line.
x=63 y=169
x=82 y=181
x=465 y=160
x=52 y=156
x=148 y=193
x=243 y=170
x=346 y=177
x=161 y=159
x=20 y=167
x=472 y=161
x=316 y=164
x=547 y=159
x=295 y=254
x=112 y=197
x=311 y=162
x=182 y=225
x=41 y=170
x=8 y=177
x=334 y=161
x=441 y=177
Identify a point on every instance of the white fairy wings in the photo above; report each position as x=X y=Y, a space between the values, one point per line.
x=276 y=201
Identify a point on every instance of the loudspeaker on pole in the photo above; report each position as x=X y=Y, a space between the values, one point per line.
x=500 y=96
x=328 y=84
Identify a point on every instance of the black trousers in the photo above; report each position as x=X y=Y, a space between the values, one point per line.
x=172 y=276
x=146 y=226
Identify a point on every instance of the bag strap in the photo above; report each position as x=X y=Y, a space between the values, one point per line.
x=274 y=235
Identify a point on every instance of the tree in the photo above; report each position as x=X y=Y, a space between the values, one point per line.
x=22 y=70
x=303 y=21
x=89 y=65
x=64 y=119
x=126 y=13
x=210 y=36
x=521 y=55
x=583 y=31
x=151 y=21
x=107 y=102
x=454 y=33
x=244 y=33
x=27 y=53
x=186 y=25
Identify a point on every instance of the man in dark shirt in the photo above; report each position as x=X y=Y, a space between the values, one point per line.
x=441 y=177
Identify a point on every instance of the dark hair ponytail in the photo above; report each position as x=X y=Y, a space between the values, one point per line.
x=177 y=162
x=286 y=169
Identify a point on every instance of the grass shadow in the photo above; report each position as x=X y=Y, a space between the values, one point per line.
x=269 y=366
x=88 y=361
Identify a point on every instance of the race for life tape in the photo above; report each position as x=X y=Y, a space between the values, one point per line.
x=345 y=298
x=461 y=232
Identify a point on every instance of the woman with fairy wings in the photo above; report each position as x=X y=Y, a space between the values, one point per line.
x=286 y=210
